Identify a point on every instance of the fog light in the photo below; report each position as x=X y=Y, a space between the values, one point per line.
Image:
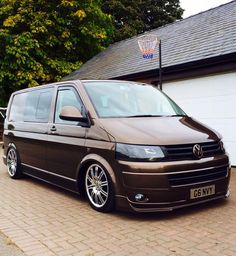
x=140 y=198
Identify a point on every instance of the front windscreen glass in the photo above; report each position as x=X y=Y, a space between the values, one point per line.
x=124 y=99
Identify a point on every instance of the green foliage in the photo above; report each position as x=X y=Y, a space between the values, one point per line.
x=43 y=40
x=132 y=17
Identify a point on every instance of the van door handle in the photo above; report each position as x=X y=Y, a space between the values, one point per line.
x=53 y=128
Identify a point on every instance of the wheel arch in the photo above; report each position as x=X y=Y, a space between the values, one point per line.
x=18 y=168
x=11 y=144
x=84 y=164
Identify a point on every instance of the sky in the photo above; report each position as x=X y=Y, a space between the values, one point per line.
x=195 y=6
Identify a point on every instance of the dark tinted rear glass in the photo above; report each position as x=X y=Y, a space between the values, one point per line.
x=31 y=106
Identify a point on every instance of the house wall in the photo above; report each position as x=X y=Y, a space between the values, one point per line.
x=211 y=100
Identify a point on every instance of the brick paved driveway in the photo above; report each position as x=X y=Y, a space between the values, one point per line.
x=44 y=220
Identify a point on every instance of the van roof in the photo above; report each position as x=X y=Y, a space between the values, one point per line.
x=66 y=82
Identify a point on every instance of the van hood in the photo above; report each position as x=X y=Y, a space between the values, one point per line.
x=158 y=130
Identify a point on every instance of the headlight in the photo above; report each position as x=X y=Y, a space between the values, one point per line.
x=139 y=153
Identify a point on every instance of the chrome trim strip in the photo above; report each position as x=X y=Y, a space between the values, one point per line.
x=169 y=173
x=51 y=173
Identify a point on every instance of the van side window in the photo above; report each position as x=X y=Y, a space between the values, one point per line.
x=17 y=108
x=66 y=97
x=37 y=106
x=44 y=103
x=31 y=106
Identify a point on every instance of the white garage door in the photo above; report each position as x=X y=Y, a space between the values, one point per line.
x=211 y=100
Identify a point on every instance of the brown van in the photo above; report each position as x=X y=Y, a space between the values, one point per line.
x=124 y=144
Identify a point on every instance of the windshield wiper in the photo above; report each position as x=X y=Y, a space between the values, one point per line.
x=154 y=116
x=177 y=115
x=143 y=116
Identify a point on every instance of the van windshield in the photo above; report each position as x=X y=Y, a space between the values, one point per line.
x=124 y=99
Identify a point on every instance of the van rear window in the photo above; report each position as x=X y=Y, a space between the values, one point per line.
x=31 y=106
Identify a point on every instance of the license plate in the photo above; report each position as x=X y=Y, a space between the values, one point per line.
x=202 y=191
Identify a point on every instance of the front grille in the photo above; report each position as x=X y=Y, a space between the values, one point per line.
x=185 y=152
x=186 y=178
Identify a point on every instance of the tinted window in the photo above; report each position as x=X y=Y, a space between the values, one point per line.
x=67 y=97
x=31 y=106
x=17 y=108
x=37 y=106
x=44 y=103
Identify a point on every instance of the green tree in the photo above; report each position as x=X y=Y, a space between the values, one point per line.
x=43 y=40
x=132 y=17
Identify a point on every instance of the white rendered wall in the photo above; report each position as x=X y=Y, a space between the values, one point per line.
x=211 y=100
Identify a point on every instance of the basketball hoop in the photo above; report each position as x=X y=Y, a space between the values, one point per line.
x=147 y=44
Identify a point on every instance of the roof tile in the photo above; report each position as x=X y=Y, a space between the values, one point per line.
x=207 y=34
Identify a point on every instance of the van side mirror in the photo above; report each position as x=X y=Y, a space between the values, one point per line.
x=71 y=113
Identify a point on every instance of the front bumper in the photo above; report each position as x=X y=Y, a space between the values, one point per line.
x=124 y=204
x=163 y=193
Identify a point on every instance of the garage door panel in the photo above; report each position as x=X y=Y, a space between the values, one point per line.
x=211 y=85
x=210 y=107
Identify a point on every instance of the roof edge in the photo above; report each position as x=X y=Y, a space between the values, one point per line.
x=228 y=60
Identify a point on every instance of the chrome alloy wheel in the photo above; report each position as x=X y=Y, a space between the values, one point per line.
x=97 y=186
x=12 y=162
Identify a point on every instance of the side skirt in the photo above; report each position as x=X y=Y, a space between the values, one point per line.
x=51 y=178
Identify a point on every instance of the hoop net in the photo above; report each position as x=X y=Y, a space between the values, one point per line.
x=147 y=44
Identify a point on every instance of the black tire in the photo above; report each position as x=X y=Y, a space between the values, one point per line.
x=99 y=188
x=13 y=163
